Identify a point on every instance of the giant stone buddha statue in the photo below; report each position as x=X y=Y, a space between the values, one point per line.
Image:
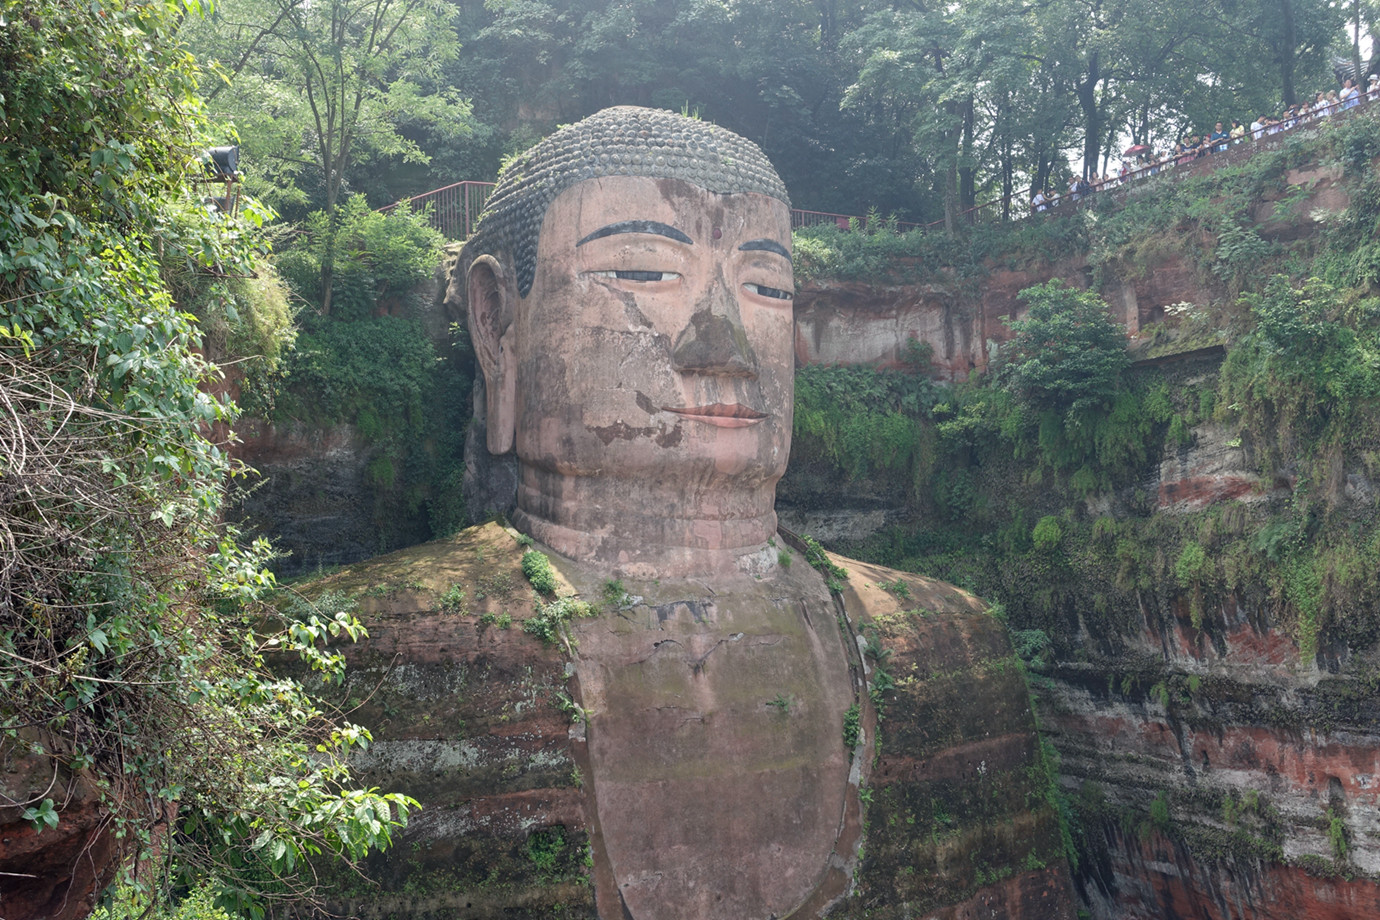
x=629 y=297
x=630 y=306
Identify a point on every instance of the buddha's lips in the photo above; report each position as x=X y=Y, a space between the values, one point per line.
x=720 y=414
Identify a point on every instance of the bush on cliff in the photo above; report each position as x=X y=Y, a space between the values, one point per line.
x=132 y=624
x=1066 y=354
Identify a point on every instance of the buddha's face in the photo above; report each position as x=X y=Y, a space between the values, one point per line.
x=656 y=340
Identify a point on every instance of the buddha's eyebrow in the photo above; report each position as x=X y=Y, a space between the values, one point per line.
x=638 y=226
x=766 y=246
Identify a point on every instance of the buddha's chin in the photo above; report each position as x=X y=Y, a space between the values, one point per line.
x=642 y=531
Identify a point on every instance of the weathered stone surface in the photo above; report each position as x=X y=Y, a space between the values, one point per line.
x=467 y=716
x=693 y=738
x=1252 y=755
x=960 y=823
x=1155 y=878
x=52 y=873
x=1212 y=469
x=716 y=766
x=309 y=493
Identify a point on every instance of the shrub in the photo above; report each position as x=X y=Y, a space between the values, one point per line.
x=537 y=567
x=1047 y=533
x=1067 y=354
x=1192 y=565
x=546 y=623
x=377 y=256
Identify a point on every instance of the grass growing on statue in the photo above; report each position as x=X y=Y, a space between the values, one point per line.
x=548 y=619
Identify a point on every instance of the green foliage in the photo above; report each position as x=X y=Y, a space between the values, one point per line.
x=130 y=902
x=1239 y=255
x=615 y=595
x=1066 y=354
x=319 y=90
x=408 y=400
x=453 y=600
x=1191 y=566
x=1159 y=813
x=898 y=588
x=1047 y=533
x=548 y=619
x=537 y=567
x=1305 y=337
x=781 y=703
x=819 y=559
x=133 y=625
x=378 y=257
x=863 y=420
x=1337 y=835
x=1033 y=646
x=852 y=727
x=373 y=365
x=544 y=848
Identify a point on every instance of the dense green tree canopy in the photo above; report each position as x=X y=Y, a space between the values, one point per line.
x=916 y=108
x=1066 y=353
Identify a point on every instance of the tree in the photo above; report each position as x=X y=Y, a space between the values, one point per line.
x=133 y=625
x=341 y=78
x=1066 y=354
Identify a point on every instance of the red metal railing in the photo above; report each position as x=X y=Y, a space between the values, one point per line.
x=455 y=209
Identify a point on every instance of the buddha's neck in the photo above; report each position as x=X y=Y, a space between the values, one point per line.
x=643 y=528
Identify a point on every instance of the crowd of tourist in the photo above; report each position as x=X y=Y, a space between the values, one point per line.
x=1140 y=161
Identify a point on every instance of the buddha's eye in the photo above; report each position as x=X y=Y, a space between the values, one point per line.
x=775 y=293
x=622 y=275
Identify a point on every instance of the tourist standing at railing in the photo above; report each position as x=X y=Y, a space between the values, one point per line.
x=1373 y=87
x=1258 y=128
x=1351 y=96
x=1039 y=202
x=1219 y=138
x=1238 y=132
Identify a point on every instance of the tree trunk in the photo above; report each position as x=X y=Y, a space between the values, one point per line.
x=1288 y=44
x=1356 y=46
x=1092 y=114
x=1007 y=180
x=967 y=174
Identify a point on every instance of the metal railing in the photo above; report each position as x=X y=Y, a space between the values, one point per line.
x=1219 y=155
x=802 y=218
x=455 y=209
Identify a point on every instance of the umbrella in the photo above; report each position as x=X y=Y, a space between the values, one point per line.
x=1138 y=148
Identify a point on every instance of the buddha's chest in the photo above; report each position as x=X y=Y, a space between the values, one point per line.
x=717 y=771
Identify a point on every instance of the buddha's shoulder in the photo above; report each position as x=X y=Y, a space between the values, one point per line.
x=929 y=636
x=957 y=762
x=878 y=592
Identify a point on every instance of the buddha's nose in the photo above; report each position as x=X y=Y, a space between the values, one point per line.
x=715 y=342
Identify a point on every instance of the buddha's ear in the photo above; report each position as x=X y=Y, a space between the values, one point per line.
x=492 y=299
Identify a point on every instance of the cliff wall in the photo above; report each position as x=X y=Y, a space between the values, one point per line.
x=1192 y=578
